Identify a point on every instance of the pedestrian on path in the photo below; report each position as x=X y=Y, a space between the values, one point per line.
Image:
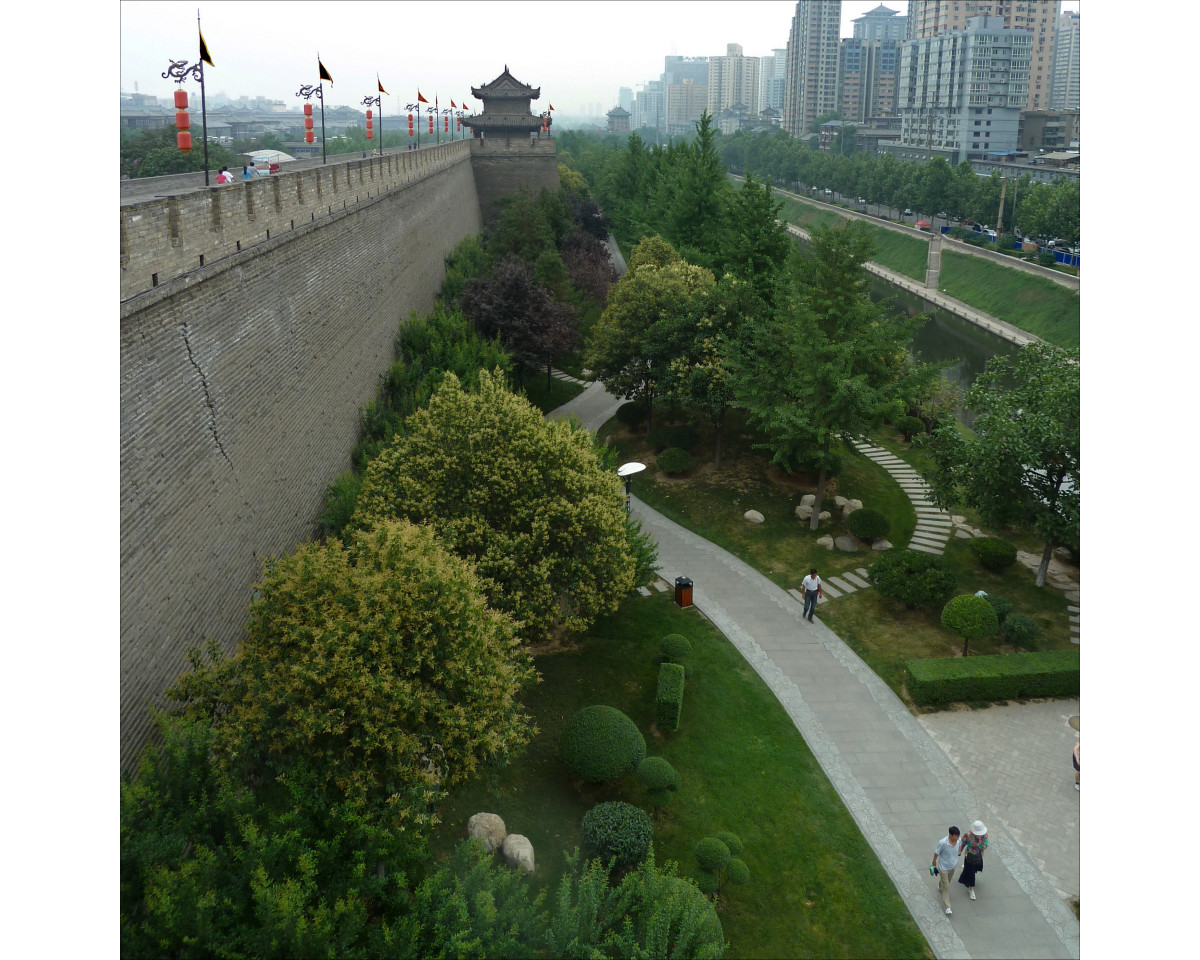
x=972 y=846
x=945 y=860
x=811 y=587
x=1075 y=761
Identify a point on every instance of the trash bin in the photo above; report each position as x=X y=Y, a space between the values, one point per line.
x=683 y=591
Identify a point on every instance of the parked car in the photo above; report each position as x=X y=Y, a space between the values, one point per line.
x=1056 y=242
x=828 y=192
x=862 y=200
x=907 y=212
x=941 y=215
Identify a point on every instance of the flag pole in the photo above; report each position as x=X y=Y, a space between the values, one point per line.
x=324 y=158
x=203 y=103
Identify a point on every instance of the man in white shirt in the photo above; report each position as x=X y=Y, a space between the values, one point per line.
x=810 y=586
x=945 y=860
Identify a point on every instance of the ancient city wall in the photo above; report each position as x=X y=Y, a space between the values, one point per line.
x=256 y=321
x=504 y=165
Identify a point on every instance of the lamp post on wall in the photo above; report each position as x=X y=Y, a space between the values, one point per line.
x=417 y=106
x=307 y=92
x=377 y=102
x=179 y=71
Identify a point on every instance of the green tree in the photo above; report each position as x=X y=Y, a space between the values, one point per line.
x=699 y=196
x=1021 y=465
x=826 y=361
x=758 y=243
x=522 y=498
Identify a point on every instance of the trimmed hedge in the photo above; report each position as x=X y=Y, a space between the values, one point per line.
x=675 y=646
x=915 y=579
x=868 y=524
x=970 y=617
x=1015 y=676
x=674 y=460
x=668 y=701
x=617 y=831
x=993 y=553
x=600 y=743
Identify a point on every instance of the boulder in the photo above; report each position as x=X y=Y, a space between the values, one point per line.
x=753 y=516
x=825 y=541
x=824 y=515
x=804 y=511
x=846 y=544
x=488 y=829
x=839 y=502
x=848 y=509
x=882 y=545
x=517 y=851
x=808 y=500
x=854 y=504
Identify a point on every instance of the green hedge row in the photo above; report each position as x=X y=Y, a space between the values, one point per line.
x=1053 y=673
x=668 y=702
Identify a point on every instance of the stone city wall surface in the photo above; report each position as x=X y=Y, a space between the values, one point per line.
x=242 y=381
x=504 y=165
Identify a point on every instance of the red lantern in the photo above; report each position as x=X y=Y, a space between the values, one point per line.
x=308 y=123
x=180 y=99
x=369 y=114
x=446 y=125
x=308 y=136
x=182 y=120
x=457 y=124
x=410 y=126
x=183 y=140
x=308 y=109
x=431 y=123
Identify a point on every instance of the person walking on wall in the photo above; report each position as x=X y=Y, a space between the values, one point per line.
x=224 y=176
x=1075 y=761
x=255 y=173
x=246 y=174
x=945 y=859
x=972 y=846
x=810 y=586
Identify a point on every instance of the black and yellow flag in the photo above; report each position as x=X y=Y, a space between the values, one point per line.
x=322 y=72
x=204 y=54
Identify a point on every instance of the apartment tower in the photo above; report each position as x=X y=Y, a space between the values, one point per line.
x=1064 y=75
x=811 y=84
x=733 y=79
x=881 y=24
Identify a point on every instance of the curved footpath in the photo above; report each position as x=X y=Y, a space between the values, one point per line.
x=899 y=786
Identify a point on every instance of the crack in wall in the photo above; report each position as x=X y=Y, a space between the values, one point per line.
x=212 y=410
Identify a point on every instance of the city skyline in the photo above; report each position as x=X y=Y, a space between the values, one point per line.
x=459 y=44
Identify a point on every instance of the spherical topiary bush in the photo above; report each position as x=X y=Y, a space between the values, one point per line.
x=617 y=831
x=674 y=460
x=993 y=553
x=868 y=524
x=913 y=578
x=732 y=841
x=712 y=854
x=675 y=646
x=657 y=775
x=737 y=871
x=970 y=617
x=708 y=882
x=1020 y=631
x=632 y=414
x=600 y=743
x=1002 y=607
x=910 y=427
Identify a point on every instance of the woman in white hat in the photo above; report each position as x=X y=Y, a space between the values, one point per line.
x=972 y=845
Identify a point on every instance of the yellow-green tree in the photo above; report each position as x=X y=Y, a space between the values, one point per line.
x=525 y=500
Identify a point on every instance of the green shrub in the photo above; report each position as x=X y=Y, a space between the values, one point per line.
x=660 y=438
x=1002 y=607
x=675 y=646
x=617 y=832
x=712 y=855
x=668 y=700
x=632 y=414
x=732 y=841
x=600 y=743
x=1052 y=673
x=660 y=779
x=674 y=460
x=993 y=553
x=737 y=871
x=1021 y=631
x=868 y=524
x=915 y=579
x=340 y=498
x=708 y=882
x=970 y=617
x=910 y=427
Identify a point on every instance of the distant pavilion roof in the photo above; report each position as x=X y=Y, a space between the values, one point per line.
x=505 y=106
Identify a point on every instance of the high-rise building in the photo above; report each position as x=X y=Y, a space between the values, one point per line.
x=677 y=69
x=733 y=79
x=772 y=75
x=928 y=18
x=625 y=99
x=867 y=78
x=648 y=107
x=1064 y=73
x=881 y=24
x=946 y=106
x=810 y=87
x=685 y=102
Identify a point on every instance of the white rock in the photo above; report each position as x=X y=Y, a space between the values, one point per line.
x=848 y=509
x=808 y=500
x=839 y=502
x=826 y=542
x=804 y=512
x=753 y=516
x=488 y=829
x=824 y=515
x=881 y=545
x=518 y=852
x=854 y=504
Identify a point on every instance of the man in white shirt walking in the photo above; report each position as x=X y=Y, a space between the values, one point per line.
x=810 y=586
x=945 y=860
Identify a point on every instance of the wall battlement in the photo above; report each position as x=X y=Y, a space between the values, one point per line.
x=504 y=165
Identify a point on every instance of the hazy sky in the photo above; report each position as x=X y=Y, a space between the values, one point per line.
x=579 y=53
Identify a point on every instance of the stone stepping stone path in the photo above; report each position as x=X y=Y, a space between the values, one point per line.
x=834 y=587
x=559 y=375
x=934 y=525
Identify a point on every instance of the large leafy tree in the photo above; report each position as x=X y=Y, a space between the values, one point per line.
x=825 y=363
x=522 y=498
x=758 y=243
x=658 y=288
x=1021 y=466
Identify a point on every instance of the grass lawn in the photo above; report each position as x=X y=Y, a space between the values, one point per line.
x=816 y=889
x=1036 y=304
x=712 y=503
x=900 y=252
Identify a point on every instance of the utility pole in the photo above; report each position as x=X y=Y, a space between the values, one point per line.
x=1000 y=215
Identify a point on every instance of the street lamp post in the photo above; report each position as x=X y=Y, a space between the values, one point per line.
x=179 y=71
x=417 y=106
x=307 y=92
x=626 y=472
x=377 y=102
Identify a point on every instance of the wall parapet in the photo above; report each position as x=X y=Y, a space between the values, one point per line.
x=168 y=237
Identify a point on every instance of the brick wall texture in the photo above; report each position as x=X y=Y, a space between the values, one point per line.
x=242 y=380
x=504 y=166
